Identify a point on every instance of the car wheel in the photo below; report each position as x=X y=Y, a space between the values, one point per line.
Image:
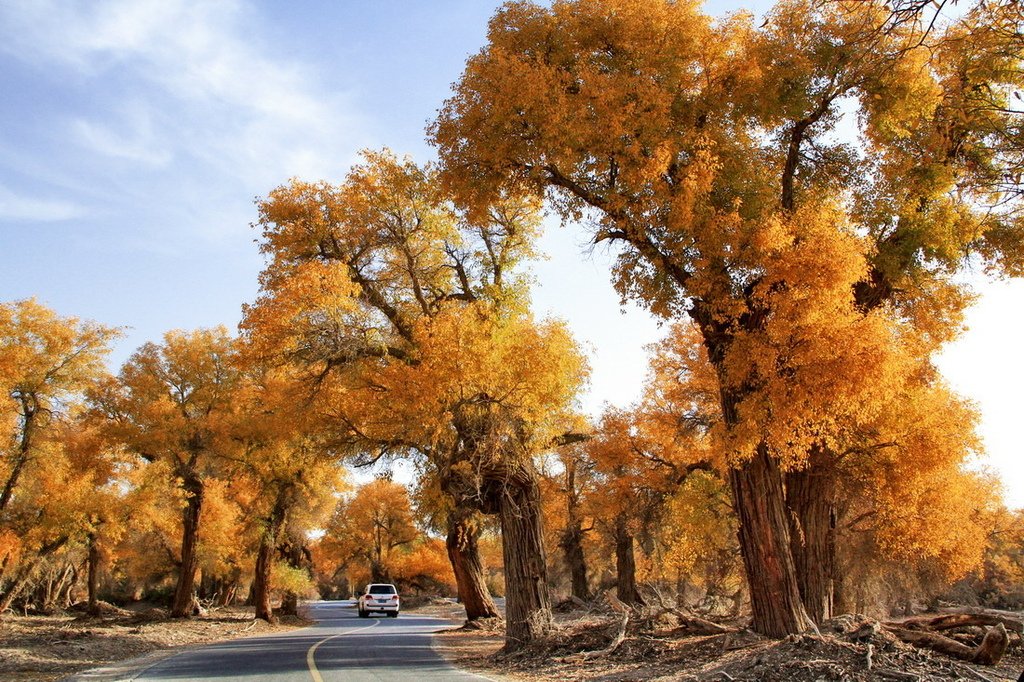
x=393 y=614
x=363 y=614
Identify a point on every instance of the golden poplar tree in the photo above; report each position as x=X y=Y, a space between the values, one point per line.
x=408 y=316
x=713 y=155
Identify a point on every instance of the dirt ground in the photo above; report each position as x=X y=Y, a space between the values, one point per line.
x=664 y=654
x=51 y=647
x=48 y=648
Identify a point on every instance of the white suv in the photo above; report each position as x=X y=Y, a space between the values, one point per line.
x=379 y=597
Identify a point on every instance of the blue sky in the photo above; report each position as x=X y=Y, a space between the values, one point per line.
x=137 y=133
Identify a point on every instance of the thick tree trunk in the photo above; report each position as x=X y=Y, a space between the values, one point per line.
x=261 y=580
x=184 y=600
x=764 y=541
x=810 y=496
x=759 y=498
x=527 y=607
x=464 y=554
x=625 y=564
x=265 y=556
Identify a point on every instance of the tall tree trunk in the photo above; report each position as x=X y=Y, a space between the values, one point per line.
x=265 y=557
x=464 y=555
x=527 y=606
x=764 y=541
x=93 y=579
x=625 y=564
x=759 y=497
x=575 y=560
x=571 y=541
x=261 y=580
x=183 y=604
x=810 y=495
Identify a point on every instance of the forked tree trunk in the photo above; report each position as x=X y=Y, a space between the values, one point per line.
x=184 y=593
x=464 y=554
x=625 y=564
x=764 y=541
x=64 y=595
x=810 y=496
x=59 y=589
x=527 y=607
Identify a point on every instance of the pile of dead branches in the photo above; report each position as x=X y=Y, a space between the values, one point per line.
x=957 y=633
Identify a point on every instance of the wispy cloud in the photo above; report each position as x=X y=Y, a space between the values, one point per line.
x=198 y=93
x=132 y=137
x=23 y=208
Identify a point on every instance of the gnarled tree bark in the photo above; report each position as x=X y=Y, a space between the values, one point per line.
x=810 y=496
x=527 y=605
x=464 y=554
x=764 y=539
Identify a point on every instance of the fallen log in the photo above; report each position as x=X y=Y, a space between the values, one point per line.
x=691 y=624
x=991 y=649
x=960 y=619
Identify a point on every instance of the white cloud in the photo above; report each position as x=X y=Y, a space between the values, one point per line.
x=205 y=93
x=32 y=209
x=131 y=138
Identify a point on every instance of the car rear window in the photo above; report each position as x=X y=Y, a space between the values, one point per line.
x=382 y=589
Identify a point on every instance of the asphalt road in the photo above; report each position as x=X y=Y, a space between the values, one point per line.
x=340 y=647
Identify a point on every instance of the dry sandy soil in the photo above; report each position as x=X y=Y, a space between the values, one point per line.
x=664 y=654
x=51 y=647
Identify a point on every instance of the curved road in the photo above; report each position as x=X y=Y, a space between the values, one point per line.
x=341 y=646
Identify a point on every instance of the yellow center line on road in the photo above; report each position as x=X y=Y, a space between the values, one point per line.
x=310 y=655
